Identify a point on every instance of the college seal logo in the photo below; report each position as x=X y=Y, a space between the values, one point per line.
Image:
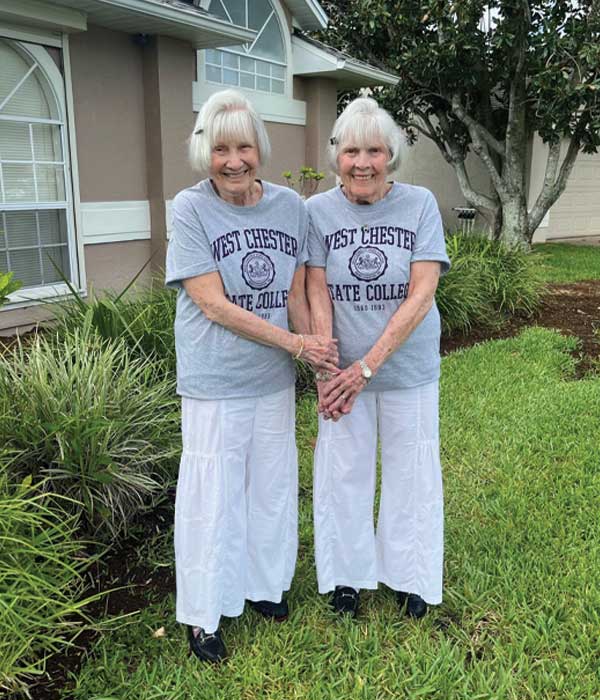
x=367 y=263
x=258 y=270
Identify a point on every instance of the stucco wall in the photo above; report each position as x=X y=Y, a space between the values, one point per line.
x=108 y=95
x=424 y=165
x=287 y=149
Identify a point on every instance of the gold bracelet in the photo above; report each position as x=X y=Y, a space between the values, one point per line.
x=297 y=355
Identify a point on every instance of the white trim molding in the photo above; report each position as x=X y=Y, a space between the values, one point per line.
x=272 y=108
x=177 y=20
x=31 y=35
x=168 y=217
x=309 y=14
x=111 y=222
x=36 y=295
x=49 y=16
x=317 y=60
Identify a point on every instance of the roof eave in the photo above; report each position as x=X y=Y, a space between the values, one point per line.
x=318 y=63
x=309 y=14
x=223 y=32
x=201 y=30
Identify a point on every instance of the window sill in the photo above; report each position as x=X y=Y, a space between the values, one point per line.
x=39 y=295
x=271 y=107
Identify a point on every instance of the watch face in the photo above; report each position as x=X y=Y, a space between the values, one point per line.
x=367 y=373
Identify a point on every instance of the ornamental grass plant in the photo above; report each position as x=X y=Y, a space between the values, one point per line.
x=488 y=282
x=143 y=320
x=94 y=423
x=41 y=579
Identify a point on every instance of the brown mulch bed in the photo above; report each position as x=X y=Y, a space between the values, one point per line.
x=573 y=309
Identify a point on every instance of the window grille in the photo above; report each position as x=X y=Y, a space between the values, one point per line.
x=258 y=66
x=34 y=225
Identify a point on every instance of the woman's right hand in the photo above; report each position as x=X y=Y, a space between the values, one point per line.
x=321 y=352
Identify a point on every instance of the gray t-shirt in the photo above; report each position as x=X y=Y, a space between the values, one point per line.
x=256 y=250
x=367 y=251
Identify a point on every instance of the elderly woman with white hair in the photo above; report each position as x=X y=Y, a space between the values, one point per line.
x=237 y=255
x=376 y=251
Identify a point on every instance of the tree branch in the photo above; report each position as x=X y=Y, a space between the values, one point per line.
x=474 y=198
x=552 y=189
x=469 y=122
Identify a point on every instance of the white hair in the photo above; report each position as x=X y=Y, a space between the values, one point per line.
x=364 y=123
x=226 y=116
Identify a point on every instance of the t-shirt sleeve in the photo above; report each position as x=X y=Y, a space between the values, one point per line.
x=188 y=252
x=317 y=250
x=302 y=236
x=430 y=243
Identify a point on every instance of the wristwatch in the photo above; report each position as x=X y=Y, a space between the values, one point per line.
x=365 y=370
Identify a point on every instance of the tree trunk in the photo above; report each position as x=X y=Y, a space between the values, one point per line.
x=497 y=225
x=514 y=222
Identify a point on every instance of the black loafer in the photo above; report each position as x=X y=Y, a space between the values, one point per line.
x=274 y=611
x=207 y=647
x=415 y=605
x=345 y=600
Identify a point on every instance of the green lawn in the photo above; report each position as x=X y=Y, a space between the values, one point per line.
x=566 y=263
x=521 y=615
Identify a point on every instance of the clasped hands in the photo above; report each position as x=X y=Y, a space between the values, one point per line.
x=338 y=392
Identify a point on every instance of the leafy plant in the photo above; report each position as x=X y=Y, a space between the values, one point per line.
x=41 y=579
x=8 y=286
x=307 y=180
x=144 y=322
x=488 y=281
x=99 y=426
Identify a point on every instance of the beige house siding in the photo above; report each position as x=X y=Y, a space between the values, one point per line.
x=108 y=96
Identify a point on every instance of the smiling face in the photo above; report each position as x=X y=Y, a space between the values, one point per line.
x=233 y=166
x=363 y=171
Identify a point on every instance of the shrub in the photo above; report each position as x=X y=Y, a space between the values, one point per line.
x=100 y=426
x=41 y=580
x=144 y=322
x=487 y=282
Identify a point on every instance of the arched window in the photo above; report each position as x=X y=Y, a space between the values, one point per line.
x=34 y=206
x=257 y=66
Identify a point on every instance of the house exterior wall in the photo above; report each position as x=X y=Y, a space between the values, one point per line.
x=321 y=113
x=576 y=214
x=108 y=95
x=424 y=165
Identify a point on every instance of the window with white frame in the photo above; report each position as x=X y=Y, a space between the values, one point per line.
x=260 y=65
x=34 y=201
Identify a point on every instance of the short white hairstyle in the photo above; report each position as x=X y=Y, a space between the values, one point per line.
x=225 y=117
x=364 y=123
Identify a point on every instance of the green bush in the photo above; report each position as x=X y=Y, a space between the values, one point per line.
x=487 y=282
x=41 y=580
x=143 y=321
x=99 y=426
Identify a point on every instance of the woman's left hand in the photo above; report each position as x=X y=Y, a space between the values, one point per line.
x=337 y=396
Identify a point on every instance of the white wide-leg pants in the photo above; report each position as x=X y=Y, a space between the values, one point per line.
x=236 y=507
x=406 y=552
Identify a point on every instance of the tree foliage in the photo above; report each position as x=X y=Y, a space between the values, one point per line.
x=485 y=77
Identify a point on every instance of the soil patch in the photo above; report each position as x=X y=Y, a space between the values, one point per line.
x=573 y=309
x=136 y=584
